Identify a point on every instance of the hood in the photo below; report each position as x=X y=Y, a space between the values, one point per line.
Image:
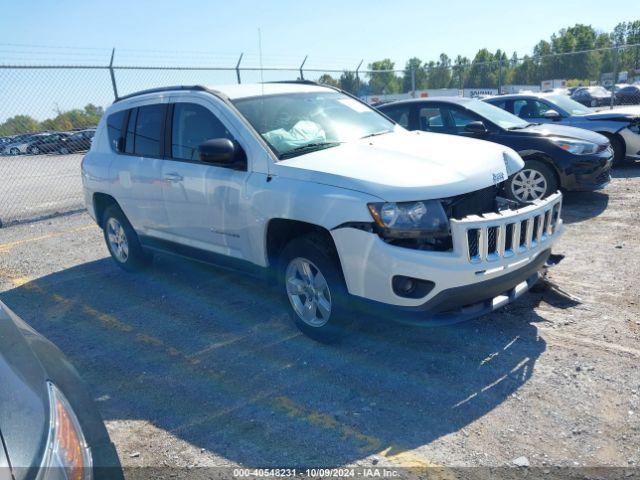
x=406 y=166
x=24 y=401
x=555 y=130
x=623 y=114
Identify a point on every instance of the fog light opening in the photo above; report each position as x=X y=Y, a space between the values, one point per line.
x=409 y=287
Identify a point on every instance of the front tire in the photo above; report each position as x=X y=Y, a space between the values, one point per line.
x=315 y=292
x=619 y=150
x=534 y=182
x=122 y=241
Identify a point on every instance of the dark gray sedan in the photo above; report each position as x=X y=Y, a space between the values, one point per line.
x=49 y=425
x=620 y=125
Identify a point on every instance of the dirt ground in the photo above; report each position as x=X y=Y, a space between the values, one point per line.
x=195 y=366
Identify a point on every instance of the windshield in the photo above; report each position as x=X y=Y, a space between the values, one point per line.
x=297 y=123
x=569 y=105
x=500 y=117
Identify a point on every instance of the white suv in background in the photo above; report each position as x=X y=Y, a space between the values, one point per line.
x=349 y=209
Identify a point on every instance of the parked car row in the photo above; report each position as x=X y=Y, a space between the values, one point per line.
x=598 y=96
x=620 y=125
x=48 y=142
x=555 y=156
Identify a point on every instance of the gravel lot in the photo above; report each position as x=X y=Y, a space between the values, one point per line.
x=34 y=186
x=196 y=366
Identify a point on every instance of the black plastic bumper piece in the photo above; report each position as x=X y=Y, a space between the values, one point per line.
x=459 y=304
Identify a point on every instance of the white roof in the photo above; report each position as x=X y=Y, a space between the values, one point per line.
x=243 y=90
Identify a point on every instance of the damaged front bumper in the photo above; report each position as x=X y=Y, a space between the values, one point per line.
x=496 y=257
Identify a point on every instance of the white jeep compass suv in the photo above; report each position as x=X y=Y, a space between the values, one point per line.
x=347 y=208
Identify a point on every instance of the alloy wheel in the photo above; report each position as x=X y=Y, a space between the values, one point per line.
x=117 y=240
x=528 y=185
x=308 y=292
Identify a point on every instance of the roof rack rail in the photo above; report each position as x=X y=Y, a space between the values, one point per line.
x=163 y=89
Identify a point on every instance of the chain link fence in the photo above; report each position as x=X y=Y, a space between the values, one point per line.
x=48 y=113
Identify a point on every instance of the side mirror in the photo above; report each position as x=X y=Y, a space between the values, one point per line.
x=551 y=115
x=217 y=150
x=477 y=128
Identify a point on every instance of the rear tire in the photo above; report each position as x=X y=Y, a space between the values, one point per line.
x=122 y=241
x=34 y=150
x=534 y=182
x=313 y=287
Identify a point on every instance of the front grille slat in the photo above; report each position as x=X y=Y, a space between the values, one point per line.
x=492 y=240
x=495 y=236
x=508 y=238
x=524 y=227
x=473 y=238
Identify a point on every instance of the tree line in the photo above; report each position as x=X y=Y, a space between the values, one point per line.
x=565 y=55
x=89 y=116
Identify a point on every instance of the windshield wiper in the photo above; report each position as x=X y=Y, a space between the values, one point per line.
x=375 y=134
x=309 y=147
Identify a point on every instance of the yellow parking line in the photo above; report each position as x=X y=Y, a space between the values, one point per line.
x=19 y=281
x=5 y=247
x=405 y=459
x=326 y=421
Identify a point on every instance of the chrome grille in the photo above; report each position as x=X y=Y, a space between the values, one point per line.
x=493 y=236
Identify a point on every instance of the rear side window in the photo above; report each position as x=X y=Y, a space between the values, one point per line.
x=398 y=114
x=148 y=130
x=114 y=127
x=431 y=119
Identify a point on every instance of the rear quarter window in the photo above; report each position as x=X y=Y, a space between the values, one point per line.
x=114 y=127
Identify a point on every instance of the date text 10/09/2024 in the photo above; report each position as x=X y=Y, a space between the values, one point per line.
x=371 y=472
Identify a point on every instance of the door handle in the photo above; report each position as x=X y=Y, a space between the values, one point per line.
x=173 y=177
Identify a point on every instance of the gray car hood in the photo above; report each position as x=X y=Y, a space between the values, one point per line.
x=24 y=403
x=628 y=114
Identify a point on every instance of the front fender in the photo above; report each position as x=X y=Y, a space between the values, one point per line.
x=290 y=199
